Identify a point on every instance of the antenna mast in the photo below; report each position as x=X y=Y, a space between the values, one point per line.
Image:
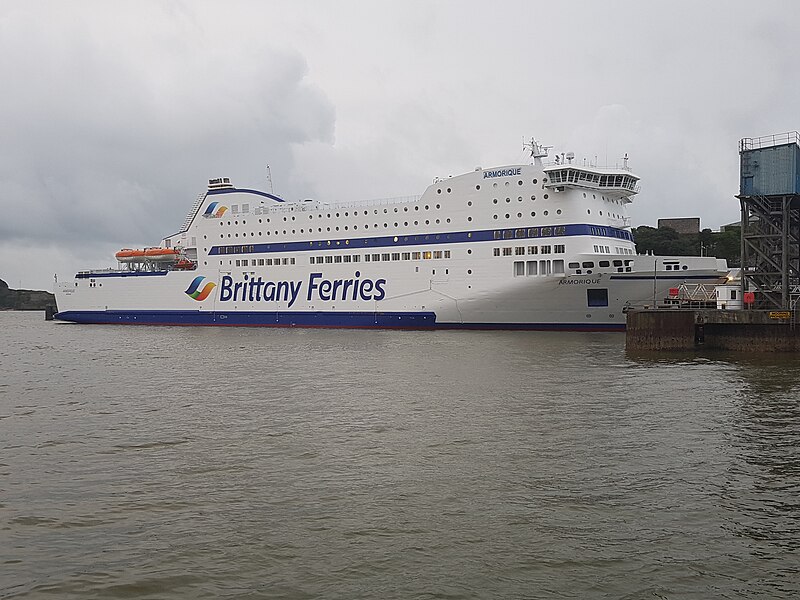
x=269 y=180
x=538 y=152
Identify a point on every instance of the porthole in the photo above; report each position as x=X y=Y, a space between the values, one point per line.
x=558 y=212
x=494 y=185
x=519 y=199
x=469 y=250
x=469 y=203
x=584 y=194
x=438 y=206
x=439 y=191
x=477 y=187
x=494 y=201
x=533 y=197
x=507 y=183
x=545 y=213
x=427 y=207
x=519 y=215
x=508 y=216
x=495 y=217
x=533 y=214
x=469 y=271
x=546 y=196
x=448 y=190
x=535 y=182
x=601 y=213
x=520 y=182
x=508 y=200
x=588 y=212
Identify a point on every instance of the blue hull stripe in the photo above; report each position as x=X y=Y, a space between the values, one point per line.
x=375 y=320
x=398 y=241
x=243 y=191
x=90 y=275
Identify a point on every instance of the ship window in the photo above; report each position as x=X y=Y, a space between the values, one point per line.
x=533 y=267
x=337 y=259
x=545 y=249
x=506 y=251
x=286 y=261
x=347 y=258
x=376 y=257
x=395 y=256
x=617 y=263
x=426 y=255
x=558 y=249
x=558 y=267
x=447 y=253
x=496 y=251
x=367 y=258
x=519 y=233
x=356 y=258
x=533 y=232
x=328 y=259
x=385 y=256
x=437 y=254
x=497 y=235
x=519 y=268
x=604 y=263
x=406 y=255
x=588 y=265
x=269 y=262
x=597 y=297
x=311 y=259
x=574 y=265
x=253 y=262
x=533 y=249
x=415 y=255
x=519 y=250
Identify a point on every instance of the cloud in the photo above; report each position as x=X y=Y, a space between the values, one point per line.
x=115 y=114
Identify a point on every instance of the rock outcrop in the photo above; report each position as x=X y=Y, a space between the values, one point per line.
x=24 y=299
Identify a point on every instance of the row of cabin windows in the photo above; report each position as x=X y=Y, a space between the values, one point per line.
x=337 y=228
x=587 y=266
x=531 y=268
x=261 y=262
x=530 y=232
x=346 y=258
x=355 y=213
x=520 y=250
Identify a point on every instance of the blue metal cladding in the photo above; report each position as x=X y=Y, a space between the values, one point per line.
x=771 y=171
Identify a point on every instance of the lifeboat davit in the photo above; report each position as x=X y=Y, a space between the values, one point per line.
x=128 y=255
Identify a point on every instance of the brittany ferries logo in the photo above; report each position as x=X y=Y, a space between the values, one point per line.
x=215 y=211
x=198 y=291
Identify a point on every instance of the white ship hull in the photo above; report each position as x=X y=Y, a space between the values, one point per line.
x=520 y=247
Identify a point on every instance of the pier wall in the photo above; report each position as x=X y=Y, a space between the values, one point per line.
x=741 y=331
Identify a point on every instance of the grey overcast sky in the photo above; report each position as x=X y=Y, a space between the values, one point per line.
x=115 y=114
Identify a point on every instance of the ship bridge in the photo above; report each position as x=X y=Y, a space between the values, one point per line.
x=618 y=181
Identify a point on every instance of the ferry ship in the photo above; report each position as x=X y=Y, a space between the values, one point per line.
x=541 y=246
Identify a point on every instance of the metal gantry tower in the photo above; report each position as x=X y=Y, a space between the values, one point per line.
x=769 y=195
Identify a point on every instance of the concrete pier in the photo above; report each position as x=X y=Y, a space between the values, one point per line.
x=736 y=330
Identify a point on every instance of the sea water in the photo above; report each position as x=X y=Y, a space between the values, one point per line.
x=165 y=462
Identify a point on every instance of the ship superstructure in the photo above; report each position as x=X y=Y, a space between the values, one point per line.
x=528 y=246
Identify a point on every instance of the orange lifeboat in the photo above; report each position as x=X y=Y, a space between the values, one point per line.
x=127 y=255
x=161 y=254
x=184 y=264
